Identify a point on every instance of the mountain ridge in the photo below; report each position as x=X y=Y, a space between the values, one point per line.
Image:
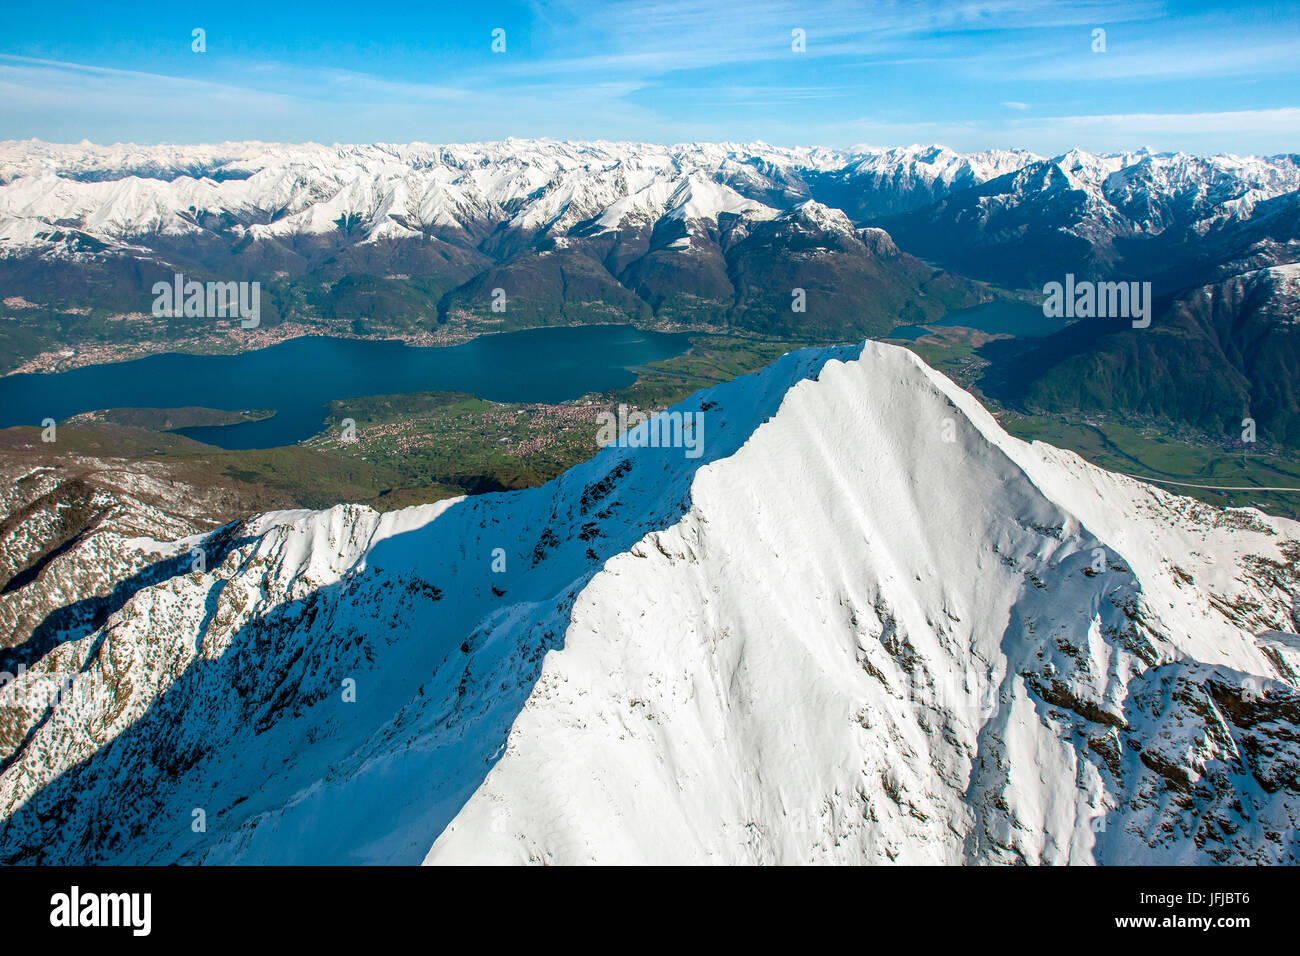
x=981 y=650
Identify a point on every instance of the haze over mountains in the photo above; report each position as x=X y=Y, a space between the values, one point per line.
x=865 y=626
x=710 y=236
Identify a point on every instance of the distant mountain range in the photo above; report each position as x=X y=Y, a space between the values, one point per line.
x=704 y=236
x=572 y=232
x=1174 y=220
x=1217 y=238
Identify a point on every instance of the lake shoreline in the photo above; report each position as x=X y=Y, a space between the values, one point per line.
x=253 y=340
x=296 y=377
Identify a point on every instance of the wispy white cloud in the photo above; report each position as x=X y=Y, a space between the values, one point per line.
x=668 y=35
x=71 y=101
x=1250 y=122
x=1154 y=57
x=964 y=73
x=1237 y=131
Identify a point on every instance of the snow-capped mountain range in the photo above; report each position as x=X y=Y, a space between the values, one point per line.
x=866 y=625
x=414 y=236
x=1175 y=220
x=130 y=194
x=264 y=191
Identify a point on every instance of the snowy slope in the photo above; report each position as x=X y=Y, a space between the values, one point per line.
x=858 y=684
x=865 y=626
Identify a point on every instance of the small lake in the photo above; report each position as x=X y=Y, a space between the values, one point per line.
x=297 y=378
x=1001 y=316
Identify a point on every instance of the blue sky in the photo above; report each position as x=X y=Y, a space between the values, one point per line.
x=1175 y=75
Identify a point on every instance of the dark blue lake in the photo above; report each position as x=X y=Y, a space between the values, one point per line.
x=297 y=378
x=998 y=317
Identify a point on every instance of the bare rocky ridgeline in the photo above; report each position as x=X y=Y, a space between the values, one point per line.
x=847 y=633
x=74 y=525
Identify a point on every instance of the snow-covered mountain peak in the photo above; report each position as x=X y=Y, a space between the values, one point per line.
x=698 y=197
x=821 y=217
x=864 y=624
